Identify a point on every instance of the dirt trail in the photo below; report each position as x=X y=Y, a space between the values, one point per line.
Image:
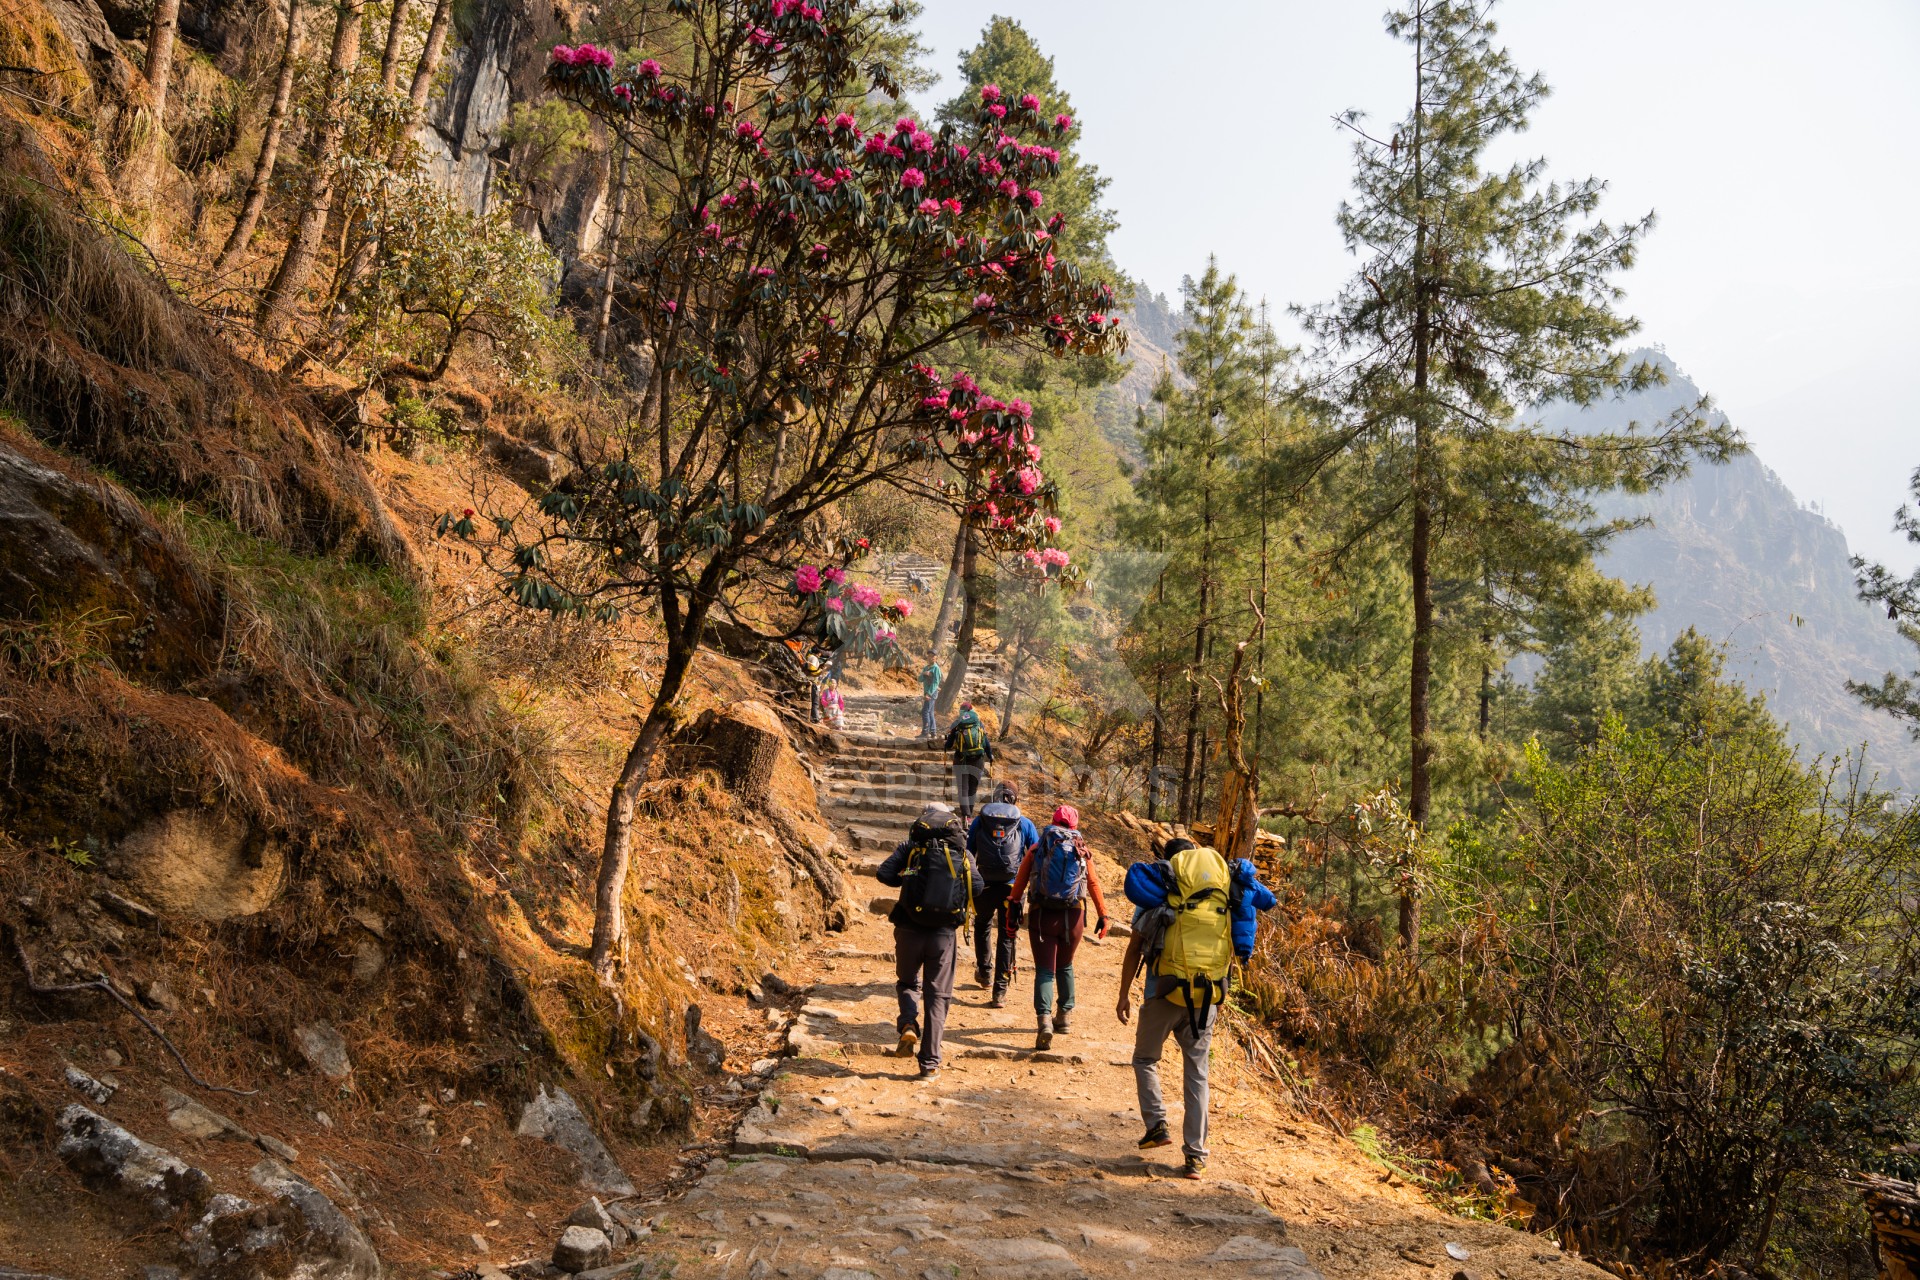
x=1015 y=1164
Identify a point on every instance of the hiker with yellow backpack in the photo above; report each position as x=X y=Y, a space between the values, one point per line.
x=1186 y=932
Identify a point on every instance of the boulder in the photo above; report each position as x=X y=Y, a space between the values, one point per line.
x=196 y=1121
x=324 y=1049
x=330 y=1246
x=704 y=1050
x=75 y=546
x=112 y=1160
x=298 y=1234
x=555 y=1118
x=204 y=864
x=581 y=1249
x=99 y=1091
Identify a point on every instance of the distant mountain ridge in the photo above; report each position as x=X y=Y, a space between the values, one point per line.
x=1731 y=552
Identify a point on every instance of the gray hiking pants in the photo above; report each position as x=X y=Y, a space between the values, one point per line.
x=1158 y=1017
x=923 y=975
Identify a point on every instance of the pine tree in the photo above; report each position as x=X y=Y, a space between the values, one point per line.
x=1007 y=56
x=1897 y=695
x=1481 y=293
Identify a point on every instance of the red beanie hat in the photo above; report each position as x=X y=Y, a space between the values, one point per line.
x=1067 y=816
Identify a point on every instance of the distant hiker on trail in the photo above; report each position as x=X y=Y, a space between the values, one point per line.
x=816 y=663
x=999 y=840
x=929 y=694
x=939 y=886
x=833 y=706
x=1059 y=876
x=972 y=752
x=1183 y=937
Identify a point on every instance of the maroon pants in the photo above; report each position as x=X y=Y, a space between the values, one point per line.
x=1054 y=936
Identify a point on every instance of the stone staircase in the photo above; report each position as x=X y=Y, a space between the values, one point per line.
x=878 y=784
x=884 y=774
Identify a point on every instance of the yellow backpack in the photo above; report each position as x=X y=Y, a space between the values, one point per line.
x=1197 y=949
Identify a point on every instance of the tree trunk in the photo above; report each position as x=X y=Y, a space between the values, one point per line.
x=1189 y=801
x=423 y=73
x=390 y=56
x=1013 y=687
x=1238 y=820
x=276 y=305
x=1420 y=793
x=263 y=165
x=604 y=325
x=969 y=614
x=1158 y=744
x=950 y=591
x=166 y=23
x=616 y=854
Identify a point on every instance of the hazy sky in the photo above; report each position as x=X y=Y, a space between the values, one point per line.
x=1779 y=144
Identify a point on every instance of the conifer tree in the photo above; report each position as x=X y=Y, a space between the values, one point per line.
x=1896 y=694
x=1481 y=292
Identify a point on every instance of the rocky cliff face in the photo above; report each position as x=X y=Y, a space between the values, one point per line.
x=495 y=62
x=1730 y=551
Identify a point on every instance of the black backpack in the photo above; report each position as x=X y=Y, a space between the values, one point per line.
x=998 y=842
x=936 y=885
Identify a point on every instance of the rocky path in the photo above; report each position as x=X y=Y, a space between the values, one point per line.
x=1019 y=1164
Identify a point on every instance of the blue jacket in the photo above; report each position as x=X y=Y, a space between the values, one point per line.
x=1248 y=898
x=1147 y=886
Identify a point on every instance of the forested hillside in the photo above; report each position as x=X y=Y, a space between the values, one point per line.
x=484 y=488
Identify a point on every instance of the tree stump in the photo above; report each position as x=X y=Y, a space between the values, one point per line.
x=743 y=742
x=1894 y=1207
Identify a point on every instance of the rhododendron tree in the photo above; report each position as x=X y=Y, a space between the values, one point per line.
x=799 y=280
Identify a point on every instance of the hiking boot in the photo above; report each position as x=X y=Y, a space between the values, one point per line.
x=999 y=1000
x=982 y=978
x=1043 y=1038
x=1195 y=1168
x=1157 y=1136
x=1060 y=1024
x=909 y=1041
x=929 y=1073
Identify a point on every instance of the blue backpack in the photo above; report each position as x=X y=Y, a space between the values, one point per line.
x=1059 y=869
x=997 y=842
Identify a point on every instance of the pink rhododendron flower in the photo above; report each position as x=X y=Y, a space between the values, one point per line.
x=922 y=141
x=907 y=125
x=982 y=302
x=953 y=206
x=836 y=605
x=1030 y=102
x=1031 y=556
x=913 y=179
x=930 y=206
x=834 y=574
x=865 y=596
x=670 y=306
x=844 y=121
x=562 y=53
x=1034 y=199
x=997 y=111
x=1009 y=188
x=806 y=579
x=623 y=93
x=1028 y=479
x=1063 y=122
x=990 y=93
x=1052 y=523
x=902 y=607
x=760 y=37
